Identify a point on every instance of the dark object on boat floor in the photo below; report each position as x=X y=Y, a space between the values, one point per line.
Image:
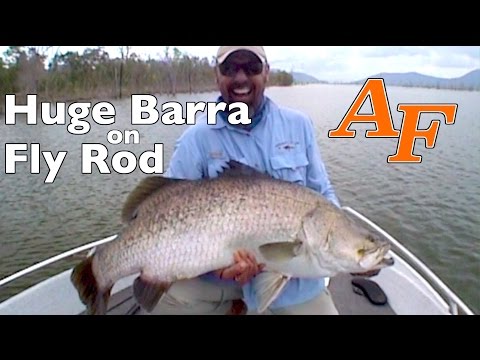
x=370 y=289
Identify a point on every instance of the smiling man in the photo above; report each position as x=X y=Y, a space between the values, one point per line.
x=242 y=75
x=279 y=141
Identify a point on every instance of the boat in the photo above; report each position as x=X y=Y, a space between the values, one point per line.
x=409 y=287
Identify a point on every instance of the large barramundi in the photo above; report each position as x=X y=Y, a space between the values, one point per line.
x=180 y=229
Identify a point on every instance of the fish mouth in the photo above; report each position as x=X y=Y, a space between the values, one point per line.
x=377 y=258
x=387 y=261
x=378 y=251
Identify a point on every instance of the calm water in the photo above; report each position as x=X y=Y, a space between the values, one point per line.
x=432 y=208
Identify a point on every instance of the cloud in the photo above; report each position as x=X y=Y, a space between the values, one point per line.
x=393 y=51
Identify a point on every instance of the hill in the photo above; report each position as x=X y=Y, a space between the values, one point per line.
x=469 y=81
x=302 y=78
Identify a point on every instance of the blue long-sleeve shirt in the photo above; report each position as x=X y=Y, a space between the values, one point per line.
x=282 y=143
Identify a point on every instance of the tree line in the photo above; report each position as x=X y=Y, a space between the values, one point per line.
x=72 y=76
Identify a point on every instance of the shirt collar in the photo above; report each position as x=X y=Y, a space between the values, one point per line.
x=223 y=115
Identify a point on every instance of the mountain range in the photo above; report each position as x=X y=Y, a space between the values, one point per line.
x=302 y=78
x=469 y=81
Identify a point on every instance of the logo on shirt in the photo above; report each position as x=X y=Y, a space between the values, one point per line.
x=287 y=146
x=216 y=154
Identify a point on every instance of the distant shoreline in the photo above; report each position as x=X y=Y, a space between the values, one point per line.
x=109 y=98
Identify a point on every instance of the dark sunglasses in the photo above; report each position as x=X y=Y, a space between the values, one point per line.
x=251 y=68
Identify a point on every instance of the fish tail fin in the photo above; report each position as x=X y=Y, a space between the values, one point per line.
x=86 y=284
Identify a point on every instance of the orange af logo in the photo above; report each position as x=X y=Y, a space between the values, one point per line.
x=375 y=88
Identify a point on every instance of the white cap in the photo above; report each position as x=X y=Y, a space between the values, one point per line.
x=225 y=51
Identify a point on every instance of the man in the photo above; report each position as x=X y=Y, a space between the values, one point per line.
x=279 y=141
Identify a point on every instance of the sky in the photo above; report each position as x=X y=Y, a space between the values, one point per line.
x=339 y=63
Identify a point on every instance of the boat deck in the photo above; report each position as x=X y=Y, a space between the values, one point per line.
x=346 y=300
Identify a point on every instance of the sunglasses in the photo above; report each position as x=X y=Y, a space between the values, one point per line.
x=250 y=68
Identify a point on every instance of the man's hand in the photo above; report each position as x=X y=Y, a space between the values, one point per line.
x=244 y=269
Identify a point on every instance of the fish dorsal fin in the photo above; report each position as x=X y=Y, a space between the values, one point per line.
x=143 y=190
x=236 y=169
x=268 y=285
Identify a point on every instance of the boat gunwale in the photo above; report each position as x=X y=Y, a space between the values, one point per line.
x=453 y=302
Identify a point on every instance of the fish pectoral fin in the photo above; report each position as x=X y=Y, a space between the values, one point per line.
x=268 y=286
x=281 y=251
x=148 y=293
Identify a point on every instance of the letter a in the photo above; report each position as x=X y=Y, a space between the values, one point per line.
x=375 y=88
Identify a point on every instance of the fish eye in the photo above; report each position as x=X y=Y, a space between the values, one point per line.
x=361 y=252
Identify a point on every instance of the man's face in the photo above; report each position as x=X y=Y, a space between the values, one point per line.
x=242 y=78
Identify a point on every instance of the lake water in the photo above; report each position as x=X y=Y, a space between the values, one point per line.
x=433 y=208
